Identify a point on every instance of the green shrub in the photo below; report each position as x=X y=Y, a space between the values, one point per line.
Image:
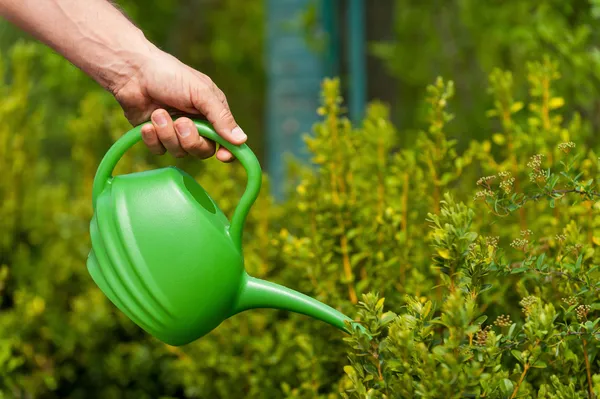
x=485 y=257
x=507 y=305
x=466 y=39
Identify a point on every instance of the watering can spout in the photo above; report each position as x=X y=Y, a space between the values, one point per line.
x=257 y=293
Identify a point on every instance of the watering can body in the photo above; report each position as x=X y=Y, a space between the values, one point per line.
x=167 y=256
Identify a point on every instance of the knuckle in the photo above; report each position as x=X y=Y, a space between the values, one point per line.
x=207 y=81
x=226 y=116
x=208 y=151
x=166 y=134
x=220 y=95
x=188 y=145
x=203 y=149
x=204 y=107
x=204 y=91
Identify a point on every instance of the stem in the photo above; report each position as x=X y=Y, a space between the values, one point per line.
x=347 y=266
x=376 y=357
x=588 y=369
x=335 y=179
x=591 y=220
x=525 y=369
x=436 y=209
x=436 y=189
x=405 y=202
x=545 y=104
x=380 y=179
x=507 y=122
x=404 y=225
x=316 y=249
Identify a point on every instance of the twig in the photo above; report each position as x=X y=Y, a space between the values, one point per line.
x=588 y=369
x=525 y=369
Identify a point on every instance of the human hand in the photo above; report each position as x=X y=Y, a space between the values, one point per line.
x=147 y=82
x=160 y=85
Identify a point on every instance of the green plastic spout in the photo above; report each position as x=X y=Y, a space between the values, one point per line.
x=257 y=294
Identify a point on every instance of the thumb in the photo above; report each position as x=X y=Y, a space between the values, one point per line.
x=220 y=117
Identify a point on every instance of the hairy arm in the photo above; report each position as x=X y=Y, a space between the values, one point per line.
x=92 y=34
x=148 y=83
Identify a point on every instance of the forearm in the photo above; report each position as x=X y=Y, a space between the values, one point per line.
x=92 y=34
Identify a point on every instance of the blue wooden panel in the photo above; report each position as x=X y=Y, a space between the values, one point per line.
x=294 y=78
x=356 y=59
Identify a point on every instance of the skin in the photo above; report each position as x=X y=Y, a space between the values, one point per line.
x=148 y=83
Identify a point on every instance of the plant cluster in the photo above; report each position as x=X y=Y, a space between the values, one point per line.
x=474 y=271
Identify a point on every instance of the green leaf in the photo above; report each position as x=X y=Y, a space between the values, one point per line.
x=578 y=263
x=517 y=354
x=388 y=317
x=498 y=138
x=507 y=386
x=351 y=372
x=539 y=364
x=516 y=107
x=556 y=102
x=379 y=305
x=540 y=261
x=485 y=288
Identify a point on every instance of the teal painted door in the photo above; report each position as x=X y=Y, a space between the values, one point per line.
x=294 y=76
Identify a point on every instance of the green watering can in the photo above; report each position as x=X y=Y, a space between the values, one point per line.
x=166 y=255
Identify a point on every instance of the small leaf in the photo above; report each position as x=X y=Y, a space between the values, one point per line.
x=426 y=309
x=540 y=261
x=507 y=386
x=516 y=107
x=379 y=304
x=511 y=330
x=485 y=287
x=556 y=102
x=349 y=370
x=387 y=317
x=540 y=365
x=499 y=138
x=444 y=253
x=578 y=264
x=516 y=353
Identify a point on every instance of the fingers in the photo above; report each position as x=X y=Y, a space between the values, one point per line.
x=191 y=142
x=151 y=140
x=165 y=130
x=224 y=155
x=179 y=137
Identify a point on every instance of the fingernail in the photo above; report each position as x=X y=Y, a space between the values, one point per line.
x=160 y=119
x=238 y=133
x=184 y=130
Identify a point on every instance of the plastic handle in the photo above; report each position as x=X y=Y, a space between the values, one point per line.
x=242 y=152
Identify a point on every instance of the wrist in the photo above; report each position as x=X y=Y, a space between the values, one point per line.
x=126 y=63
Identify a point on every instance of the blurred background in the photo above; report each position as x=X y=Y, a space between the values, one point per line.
x=269 y=57
x=61 y=338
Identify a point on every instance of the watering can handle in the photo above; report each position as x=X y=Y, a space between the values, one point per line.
x=242 y=152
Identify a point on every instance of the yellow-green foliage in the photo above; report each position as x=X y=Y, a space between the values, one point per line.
x=486 y=257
